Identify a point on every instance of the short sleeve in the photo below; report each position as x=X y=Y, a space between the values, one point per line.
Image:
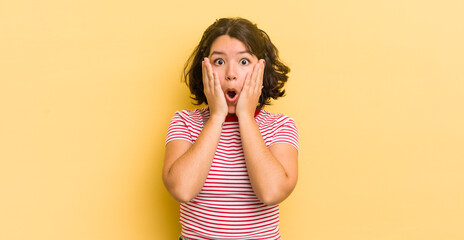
x=287 y=133
x=178 y=129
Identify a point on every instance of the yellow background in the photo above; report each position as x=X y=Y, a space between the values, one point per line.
x=87 y=89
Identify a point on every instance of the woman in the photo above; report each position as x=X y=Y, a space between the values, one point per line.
x=229 y=164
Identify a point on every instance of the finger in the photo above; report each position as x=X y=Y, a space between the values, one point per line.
x=203 y=74
x=246 y=85
x=209 y=71
x=206 y=77
x=206 y=82
x=258 y=77
x=217 y=84
x=254 y=76
x=261 y=75
x=247 y=78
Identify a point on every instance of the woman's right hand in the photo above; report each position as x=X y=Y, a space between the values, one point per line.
x=212 y=88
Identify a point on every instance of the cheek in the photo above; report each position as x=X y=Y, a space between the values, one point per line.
x=246 y=72
x=219 y=71
x=223 y=83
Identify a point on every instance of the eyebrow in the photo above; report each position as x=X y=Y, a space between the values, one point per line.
x=222 y=53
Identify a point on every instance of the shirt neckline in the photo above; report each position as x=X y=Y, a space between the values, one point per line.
x=234 y=118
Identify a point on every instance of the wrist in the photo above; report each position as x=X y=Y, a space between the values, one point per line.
x=217 y=119
x=243 y=117
x=248 y=113
x=218 y=113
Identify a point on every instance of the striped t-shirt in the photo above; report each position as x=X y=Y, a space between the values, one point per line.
x=227 y=207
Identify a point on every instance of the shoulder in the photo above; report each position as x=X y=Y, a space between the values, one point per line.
x=196 y=116
x=265 y=118
x=279 y=128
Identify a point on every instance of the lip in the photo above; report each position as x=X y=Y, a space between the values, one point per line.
x=229 y=99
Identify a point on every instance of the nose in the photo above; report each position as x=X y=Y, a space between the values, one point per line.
x=231 y=72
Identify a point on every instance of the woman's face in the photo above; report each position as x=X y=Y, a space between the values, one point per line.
x=232 y=61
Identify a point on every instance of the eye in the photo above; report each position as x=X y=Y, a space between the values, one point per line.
x=219 y=61
x=244 y=61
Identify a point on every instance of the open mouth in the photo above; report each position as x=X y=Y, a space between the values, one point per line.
x=231 y=95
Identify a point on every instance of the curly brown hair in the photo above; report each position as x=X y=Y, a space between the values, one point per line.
x=257 y=42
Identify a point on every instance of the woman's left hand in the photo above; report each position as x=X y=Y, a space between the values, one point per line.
x=251 y=91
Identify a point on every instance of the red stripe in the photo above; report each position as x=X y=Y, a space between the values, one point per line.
x=228 y=180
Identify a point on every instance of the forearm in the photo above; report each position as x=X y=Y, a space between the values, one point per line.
x=186 y=176
x=268 y=177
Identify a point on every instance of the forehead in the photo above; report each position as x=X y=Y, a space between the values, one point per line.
x=228 y=45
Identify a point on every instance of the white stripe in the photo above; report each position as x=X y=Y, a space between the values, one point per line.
x=227 y=200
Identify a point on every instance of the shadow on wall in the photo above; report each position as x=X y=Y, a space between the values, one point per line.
x=161 y=209
x=165 y=208
x=169 y=215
